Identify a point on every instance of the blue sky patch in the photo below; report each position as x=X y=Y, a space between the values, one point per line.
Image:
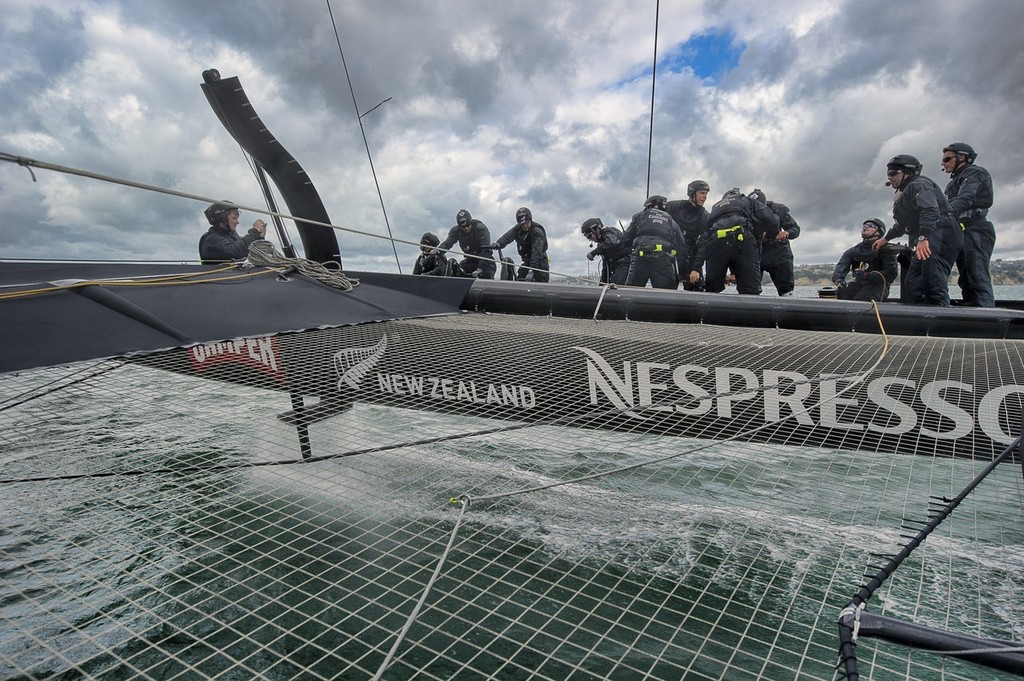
x=711 y=55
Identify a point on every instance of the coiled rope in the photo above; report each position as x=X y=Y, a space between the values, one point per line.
x=263 y=253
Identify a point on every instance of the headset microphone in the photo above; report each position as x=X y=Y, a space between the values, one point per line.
x=888 y=184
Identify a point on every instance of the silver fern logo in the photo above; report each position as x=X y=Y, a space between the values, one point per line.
x=352 y=364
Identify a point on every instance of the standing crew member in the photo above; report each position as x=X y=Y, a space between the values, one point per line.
x=474 y=240
x=731 y=243
x=614 y=252
x=221 y=242
x=873 y=271
x=970 y=196
x=659 y=248
x=920 y=210
x=776 y=253
x=532 y=244
x=692 y=217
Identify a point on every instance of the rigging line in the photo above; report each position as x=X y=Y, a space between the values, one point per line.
x=362 y=130
x=654 y=80
x=29 y=163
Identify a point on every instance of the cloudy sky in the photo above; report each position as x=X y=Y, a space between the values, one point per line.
x=495 y=105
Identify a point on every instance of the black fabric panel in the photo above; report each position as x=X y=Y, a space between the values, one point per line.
x=77 y=324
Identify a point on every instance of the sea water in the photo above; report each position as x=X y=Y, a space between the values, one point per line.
x=140 y=538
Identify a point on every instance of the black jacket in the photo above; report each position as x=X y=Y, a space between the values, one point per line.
x=919 y=209
x=692 y=219
x=219 y=244
x=970 y=193
x=475 y=241
x=531 y=244
x=652 y=228
x=862 y=258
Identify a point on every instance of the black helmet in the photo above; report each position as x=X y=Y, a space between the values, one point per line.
x=463 y=218
x=962 y=148
x=591 y=225
x=735 y=191
x=905 y=162
x=696 y=186
x=655 y=201
x=217 y=213
x=879 y=225
x=523 y=215
x=429 y=239
x=758 y=195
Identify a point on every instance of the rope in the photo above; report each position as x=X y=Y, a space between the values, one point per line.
x=263 y=253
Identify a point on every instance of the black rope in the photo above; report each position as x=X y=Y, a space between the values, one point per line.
x=654 y=80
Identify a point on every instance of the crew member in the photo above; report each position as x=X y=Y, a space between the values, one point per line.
x=532 y=244
x=475 y=240
x=920 y=210
x=731 y=243
x=432 y=261
x=776 y=253
x=970 y=196
x=614 y=252
x=658 y=246
x=221 y=242
x=873 y=270
x=692 y=217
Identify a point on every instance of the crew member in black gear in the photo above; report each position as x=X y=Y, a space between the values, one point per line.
x=970 y=196
x=731 y=243
x=692 y=217
x=658 y=246
x=532 y=244
x=432 y=261
x=873 y=270
x=221 y=242
x=920 y=210
x=475 y=240
x=776 y=253
x=615 y=253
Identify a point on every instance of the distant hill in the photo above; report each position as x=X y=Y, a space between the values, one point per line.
x=1004 y=273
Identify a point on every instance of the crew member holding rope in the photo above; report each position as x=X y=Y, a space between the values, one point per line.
x=221 y=242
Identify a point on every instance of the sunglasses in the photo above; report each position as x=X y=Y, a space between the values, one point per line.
x=947 y=159
x=893 y=172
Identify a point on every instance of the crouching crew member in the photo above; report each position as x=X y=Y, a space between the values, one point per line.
x=532 y=244
x=970 y=196
x=431 y=261
x=475 y=240
x=221 y=242
x=658 y=246
x=732 y=243
x=873 y=270
x=692 y=217
x=920 y=210
x=614 y=252
x=776 y=253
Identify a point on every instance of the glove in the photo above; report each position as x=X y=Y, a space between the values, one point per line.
x=493 y=246
x=590 y=255
x=435 y=251
x=839 y=282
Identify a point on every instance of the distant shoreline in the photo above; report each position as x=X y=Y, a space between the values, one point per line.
x=1004 y=273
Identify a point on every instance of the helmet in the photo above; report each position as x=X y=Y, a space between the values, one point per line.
x=879 y=225
x=758 y=195
x=523 y=215
x=905 y=162
x=591 y=225
x=735 y=191
x=218 y=212
x=463 y=218
x=696 y=186
x=962 y=148
x=429 y=239
x=655 y=201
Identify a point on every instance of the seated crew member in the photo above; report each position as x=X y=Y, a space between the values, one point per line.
x=873 y=270
x=614 y=252
x=532 y=244
x=221 y=242
x=475 y=240
x=922 y=212
x=731 y=243
x=432 y=261
x=658 y=246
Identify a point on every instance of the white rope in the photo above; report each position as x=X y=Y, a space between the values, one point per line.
x=263 y=254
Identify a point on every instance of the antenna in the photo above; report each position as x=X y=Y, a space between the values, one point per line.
x=362 y=131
